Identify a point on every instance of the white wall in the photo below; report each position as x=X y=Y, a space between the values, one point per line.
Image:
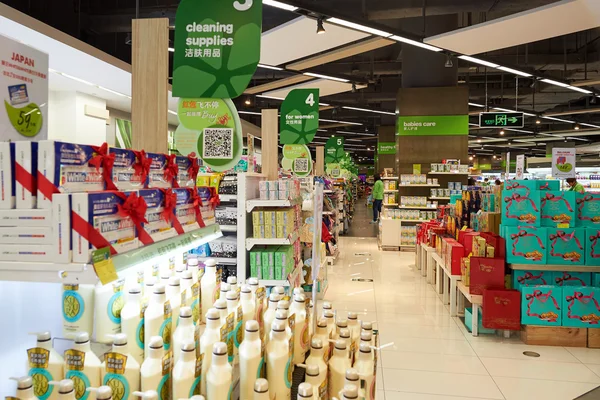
x=67 y=120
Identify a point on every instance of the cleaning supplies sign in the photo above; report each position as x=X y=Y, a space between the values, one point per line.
x=437 y=125
x=211 y=128
x=386 y=148
x=297 y=159
x=334 y=150
x=299 y=118
x=217 y=47
x=563 y=163
x=24 y=88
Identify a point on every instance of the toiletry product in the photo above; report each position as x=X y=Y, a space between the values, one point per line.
x=338 y=364
x=248 y=304
x=82 y=366
x=173 y=292
x=219 y=378
x=211 y=335
x=208 y=286
x=103 y=392
x=185 y=384
x=298 y=309
x=269 y=315
x=261 y=390
x=157 y=317
x=365 y=366
x=312 y=376
x=317 y=358
x=44 y=364
x=353 y=325
x=365 y=337
x=352 y=378
x=305 y=391
x=184 y=332
x=156 y=369
x=331 y=329
x=77 y=308
x=282 y=316
x=132 y=323
x=120 y=371
x=25 y=388
x=345 y=336
x=108 y=303
x=253 y=283
x=251 y=359
x=67 y=390
x=279 y=366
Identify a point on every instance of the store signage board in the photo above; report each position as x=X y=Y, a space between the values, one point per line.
x=334 y=150
x=520 y=166
x=24 y=88
x=563 y=163
x=501 y=120
x=217 y=47
x=436 y=125
x=386 y=147
x=211 y=129
x=299 y=118
x=297 y=159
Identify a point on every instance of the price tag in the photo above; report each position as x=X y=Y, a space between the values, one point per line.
x=562 y=225
x=26 y=120
x=104 y=266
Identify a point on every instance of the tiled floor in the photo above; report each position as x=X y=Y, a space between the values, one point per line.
x=433 y=356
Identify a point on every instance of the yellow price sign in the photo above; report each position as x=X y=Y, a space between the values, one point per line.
x=104 y=266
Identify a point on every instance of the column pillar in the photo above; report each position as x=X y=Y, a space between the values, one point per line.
x=385 y=134
x=270 y=141
x=320 y=161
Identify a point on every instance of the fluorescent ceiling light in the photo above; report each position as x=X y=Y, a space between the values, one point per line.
x=171 y=49
x=359 y=27
x=72 y=77
x=476 y=105
x=556 y=83
x=113 y=92
x=322 y=130
x=513 y=111
x=478 y=61
x=270 y=67
x=558 y=119
x=517 y=130
x=340 y=122
x=331 y=78
x=324 y=104
x=367 y=110
x=249 y=112
x=415 y=43
x=578 y=89
x=278 y=4
x=172 y=112
x=514 y=71
x=590 y=125
x=472 y=124
x=269 y=97
x=354 y=140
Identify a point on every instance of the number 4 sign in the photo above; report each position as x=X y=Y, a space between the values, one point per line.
x=299 y=118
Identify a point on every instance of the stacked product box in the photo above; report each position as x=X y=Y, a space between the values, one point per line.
x=272 y=262
x=279 y=190
x=7 y=175
x=18 y=169
x=187 y=171
x=274 y=223
x=130 y=169
x=160 y=223
x=185 y=210
x=161 y=172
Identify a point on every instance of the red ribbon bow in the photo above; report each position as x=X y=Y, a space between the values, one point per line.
x=565 y=238
x=581 y=203
x=142 y=166
x=567 y=277
x=193 y=168
x=214 y=197
x=135 y=208
x=105 y=160
x=594 y=240
x=579 y=296
x=542 y=298
x=522 y=233
x=197 y=202
x=529 y=276
x=168 y=214
x=172 y=170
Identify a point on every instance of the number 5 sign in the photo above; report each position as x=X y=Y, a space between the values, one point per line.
x=299 y=118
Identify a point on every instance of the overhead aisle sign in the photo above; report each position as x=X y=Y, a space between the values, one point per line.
x=563 y=163
x=435 y=125
x=299 y=119
x=501 y=120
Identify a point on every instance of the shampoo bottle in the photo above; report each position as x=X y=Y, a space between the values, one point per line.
x=365 y=337
x=184 y=332
x=156 y=322
x=250 y=359
x=278 y=362
x=349 y=392
x=66 y=390
x=149 y=287
x=282 y=316
x=103 y=392
x=232 y=281
x=279 y=290
x=340 y=324
x=221 y=306
x=173 y=292
x=233 y=306
x=86 y=375
x=185 y=384
x=269 y=315
x=352 y=378
x=25 y=388
x=147 y=395
x=211 y=335
x=156 y=369
x=120 y=370
x=208 y=285
x=253 y=284
x=107 y=310
x=219 y=379
x=322 y=335
x=338 y=364
x=326 y=307
x=248 y=304
x=367 y=326
x=353 y=325
x=328 y=315
x=345 y=336
x=319 y=386
x=224 y=288
x=305 y=391
x=132 y=322
x=77 y=309
x=283 y=305
x=261 y=390
x=366 y=369
x=44 y=364
x=186 y=281
x=298 y=309
x=193 y=266
x=317 y=358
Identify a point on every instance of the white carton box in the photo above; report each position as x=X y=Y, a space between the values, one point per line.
x=156 y=227
x=26 y=159
x=61 y=227
x=7 y=175
x=25 y=235
x=25 y=218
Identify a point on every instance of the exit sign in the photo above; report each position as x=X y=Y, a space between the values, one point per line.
x=501 y=120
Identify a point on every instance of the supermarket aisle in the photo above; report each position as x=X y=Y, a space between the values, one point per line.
x=361 y=226
x=433 y=356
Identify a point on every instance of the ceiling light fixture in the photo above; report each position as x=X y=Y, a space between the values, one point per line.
x=320 y=28
x=471 y=158
x=448 y=63
x=172 y=112
x=590 y=125
x=415 y=43
x=578 y=89
x=576 y=127
x=537 y=121
x=514 y=111
x=555 y=83
x=278 y=4
x=367 y=110
x=358 y=27
x=269 y=97
x=501 y=131
x=171 y=49
x=270 y=67
x=339 y=122
x=558 y=119
x=478 y=61
x=476 y=105
x=514 y=71
x=332 y=78
x=247 y=101
x=249 y=112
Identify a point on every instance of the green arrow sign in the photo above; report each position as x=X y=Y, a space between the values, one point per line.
x=501 y=120
x=299 y=118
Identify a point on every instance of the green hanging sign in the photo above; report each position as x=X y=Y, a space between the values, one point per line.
x=386 y=147
x=333 y=170
x=334 y=150
x=217 y=47
x=297 y=159
x=299 y=118
x=211 y=128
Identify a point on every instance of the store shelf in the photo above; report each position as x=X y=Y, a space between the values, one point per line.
x=472 y=298
x=389 y=178
x=219 y=260
x=251 y=242
x=390 y=191
x=448 y=173
x=417 y=185
x=328 y=191
x=404 y=220
x=390 y=205
x=552 y=267
x=418 y=208
x=292 y=278
x=328 y=212
x=439 y=198
x=227 y=197
x=251 y=204
x=228 y=228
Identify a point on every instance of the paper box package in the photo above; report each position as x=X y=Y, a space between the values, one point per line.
x=158 y=176
x=486 y=273
x=26 y=168
x=185 y=210
x=588 y=209
x=521 y=187
x=558 y=208
x=526 y=245
x=541 y=305
x=455 y=251
x=7 y=175
x=128 y=169
x=187 y=171
x=553 y=185
x=531 y=278
x=581 y=306
x=592 y=246
x=567 y=278
x=519 y=209
x=502 y=309
x=566 y=246
x=68 y=168
x=159 y=226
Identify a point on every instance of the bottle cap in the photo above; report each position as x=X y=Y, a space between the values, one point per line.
x=174 y=281
x=274 y=297
x=326 y=305
x=221 y=304
x=316 y=344
x=187 y=274
x=24 y=382
x=232 y=280
x=197 y=397
x=345 y=333
x=135 y=289
x=185 y=312
x=352 y=375
x=159 y=288
x=279 y=290
x=368 y=326
x=156 y=342
x=42 y=336
x=342 y=323
x=364 y=347
x=119 y=339
x=281 y=315
x=188 y=345
x=252 y=326
x=253 y=281
x=299 y=298
x=150 y=281
x=82 y=337
x=322 y=323
x=102 y=393
x=340 y=344
x=210 y=262
x=366 y=336
x=225 y=287
x=232 y=295
x=246 y=289
x=352 y=315
x=328 y=314
x=64 y=387
x=261 y=386
x=220 y=349
x=283 y=305
x=179 y=270
x=213 y=314
x=147 y=395
x=298 y=290
x=165 y=275
x=279 y=326
x=312 y=370
x=192 y=261
x=350 y=392
x=305 y=390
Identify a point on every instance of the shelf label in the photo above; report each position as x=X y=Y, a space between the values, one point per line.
x=104 y=266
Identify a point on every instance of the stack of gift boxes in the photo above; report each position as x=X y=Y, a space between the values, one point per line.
x=59 y=201
x=545 y=226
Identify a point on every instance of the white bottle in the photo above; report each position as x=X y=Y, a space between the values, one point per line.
x=322 y=334
x=165 y=275
x=279 y=290
x=353 y=325
x=297 y=291
x=25 y=388
x=298 y=309
x=66 y=390
x=208 y=286
x=319 y=386
x=173 y=292
x=221 y=306
x=305 y=391
x=283 y=305
x=345 y=336
x=184 y=332
x=233 y=302
x=43 y=360
x=154 y=317
x=364 y=364
x=186 y=281
x=261 y=390
x=250 y=359
x=211 y=335
x=132 y=323
x=149 y=286
x=103 y=393
x=328 y=315
x=107 y=310
x=77 y=309
x=352 y=378
x=232 y=281
x=147 y=395
x=193 y=266
x=253 y=284
x=248 y=304
x=184 y=376
x=366 y=326
x=365 y=337
x=90 y=372
x=326 y=307
x=338 y=364
x=156 y=370
x=278 y=362
x=316 y=357
x=129 y=376
x=224 y=288
x=340 y=324
x=219 y=379
x=269 y=315
x=282 y=316
x=349 y=392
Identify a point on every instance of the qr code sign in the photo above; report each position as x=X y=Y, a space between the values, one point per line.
x=217 y=143
x=301 y=165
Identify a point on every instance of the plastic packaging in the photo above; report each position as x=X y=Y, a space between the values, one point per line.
x=312 y=377
x=184 y=332
x=250 y=359
x=233 y=303
x=193 y=265
x=298 y=309
x=86 y=375
x=44 y=364
x=282 y=316
x=345 y=336
x=221 y=306
x=173 y=292
x=353 y=325
x=278 y=362
x=269 y=315
x=25 y=388
x=253 y=284
x=340 y=324
x=365 y=366
x=108 y=304
x=219 y=379
x=317 y=358
x=224 y=288
x=305 y=391
x=328 y=315
x=338 y=364
x=248 y=304
x=132 y=323
x=156 y=370
x=211 y=335
x=261 y=390
x=120 y=369
x=232 y=281
x=208 y=286
x=365 y=337
x=157 y=322
x=77 y=309
x=186 y=382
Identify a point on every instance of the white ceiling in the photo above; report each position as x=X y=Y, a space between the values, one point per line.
x=540 y=23
x=325 y=86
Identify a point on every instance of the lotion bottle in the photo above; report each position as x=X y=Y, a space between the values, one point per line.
x=305 y=391
x=349 y=392
x=345 y=336
x=156 y=369
x=186 y=281
x=269 y=315
x=147 y=395
x=279 y=290
x=103 y=393
x=261 y=390
x=107 y=310
x=184 y=377
x=319 y=386
x=221 y=306
x=86 y=375
x=232 y=281
x=193 y=266
x=66 y=390
x=352 y=378
x=365 y=366
x=250 y=359
x=25 y=388
x=283 y=305
x=77 y=310
x=282 y=316
x=326 y=307
x=45 y=361
x=248 y=304
x=233 y=303
x=208 y=285
x=155 y=323
x=322 y=335
x=184 y=332
x=353 y=325
x=328 y=315
x=278 y=362
x=173 y=292
x=338 y=364
x=132 y=322
x=253 y=284
x=224 y=288
x=298 y=309
x=219 y=379
x=317 y=358
x=127 y=377
x=211 y=335
x=365 y=337
x=340 y=324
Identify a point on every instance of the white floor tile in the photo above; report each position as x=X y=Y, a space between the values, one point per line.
x=520 y=389
x=449 y=332
x=549 y=370
x=420 y=396
x=586 y=356
x=432 y=346
x=395 y=320
x=434 y=362
x=515 y=351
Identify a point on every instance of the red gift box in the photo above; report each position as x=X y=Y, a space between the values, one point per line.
x=468 y=242
x=454 y=253
x=497 y=242
x=502 y=309
x=486 y=273
x=461 y=235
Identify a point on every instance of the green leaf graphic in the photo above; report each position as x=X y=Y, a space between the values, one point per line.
x=26 y=120
x=299 y=117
